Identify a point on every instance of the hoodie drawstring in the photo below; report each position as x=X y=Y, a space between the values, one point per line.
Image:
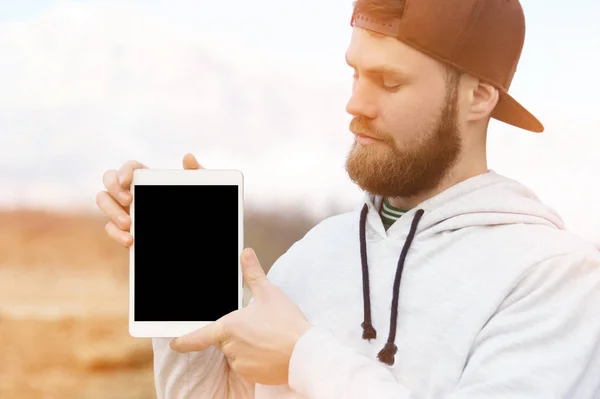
x=369 y=332
x=387 y=354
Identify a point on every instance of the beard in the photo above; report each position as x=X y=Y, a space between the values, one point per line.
x=384 y=169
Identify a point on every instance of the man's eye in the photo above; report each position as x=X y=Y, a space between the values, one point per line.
x=391 y=85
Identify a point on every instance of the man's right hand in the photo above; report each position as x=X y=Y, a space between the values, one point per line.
x=115 y=201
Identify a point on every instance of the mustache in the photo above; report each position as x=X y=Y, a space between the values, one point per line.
x=363 y=126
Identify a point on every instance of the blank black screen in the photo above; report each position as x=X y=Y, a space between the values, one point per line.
x=185 y=252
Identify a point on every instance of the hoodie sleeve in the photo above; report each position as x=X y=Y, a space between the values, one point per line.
x=205 y=374
x=195 y=375
x=543 y=342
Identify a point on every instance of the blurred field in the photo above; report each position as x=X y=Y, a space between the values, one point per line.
x=64 y=304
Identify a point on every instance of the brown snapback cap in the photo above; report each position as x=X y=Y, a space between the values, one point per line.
x=483 y=38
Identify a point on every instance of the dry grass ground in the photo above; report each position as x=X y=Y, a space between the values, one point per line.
x=63 y=305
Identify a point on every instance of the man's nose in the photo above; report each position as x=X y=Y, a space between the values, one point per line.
x=361 y=102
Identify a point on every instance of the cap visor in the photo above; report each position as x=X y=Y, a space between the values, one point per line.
x=508 y=110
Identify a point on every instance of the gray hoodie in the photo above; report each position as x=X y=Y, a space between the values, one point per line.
x=495 y=299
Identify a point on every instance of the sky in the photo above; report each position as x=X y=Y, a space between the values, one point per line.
x=90 y=84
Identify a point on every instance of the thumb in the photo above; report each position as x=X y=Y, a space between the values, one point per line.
x=190 y=162
x=253 y=273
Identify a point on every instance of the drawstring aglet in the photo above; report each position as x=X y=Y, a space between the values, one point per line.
x=386 y=355
x=369 y=332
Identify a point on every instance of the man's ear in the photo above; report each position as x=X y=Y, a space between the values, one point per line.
x=482 y=101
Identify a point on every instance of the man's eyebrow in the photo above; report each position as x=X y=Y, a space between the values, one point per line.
x=383 y=70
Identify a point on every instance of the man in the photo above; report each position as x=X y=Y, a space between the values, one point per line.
x=450 y=282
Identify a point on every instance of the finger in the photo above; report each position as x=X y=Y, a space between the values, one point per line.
x=190 y=162
x=253 y=273
x=123 y=237
x=198 y=340
x=113 y=210
x=228 y=348
x=125 y=174
x=111 y=183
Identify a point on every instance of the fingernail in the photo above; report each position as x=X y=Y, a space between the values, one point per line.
x=248 y=255
x=121 y=180
x=124 y=196
x=125 y=240
x=172 y=343
x=123 y=220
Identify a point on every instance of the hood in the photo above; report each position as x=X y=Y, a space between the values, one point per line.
x=484 y=200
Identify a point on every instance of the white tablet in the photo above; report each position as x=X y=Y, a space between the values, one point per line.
x=187 y=228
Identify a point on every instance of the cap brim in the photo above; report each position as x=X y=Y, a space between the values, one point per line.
x=508 y=110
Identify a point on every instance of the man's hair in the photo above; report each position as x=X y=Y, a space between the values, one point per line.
x=392 y=9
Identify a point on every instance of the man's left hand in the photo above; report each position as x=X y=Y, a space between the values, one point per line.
x=259 y=339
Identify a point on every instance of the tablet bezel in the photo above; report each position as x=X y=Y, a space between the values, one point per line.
x=170 y=329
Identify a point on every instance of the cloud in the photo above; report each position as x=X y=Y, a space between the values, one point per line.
x=89 y=87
